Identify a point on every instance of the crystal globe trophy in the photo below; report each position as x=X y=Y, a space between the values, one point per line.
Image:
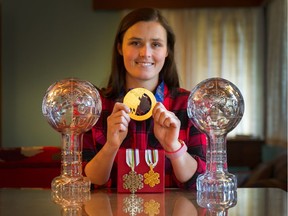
x=216 y=106
x=71 y=106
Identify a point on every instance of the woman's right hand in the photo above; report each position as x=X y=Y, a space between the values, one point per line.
x=98 y=170
x=117 y=124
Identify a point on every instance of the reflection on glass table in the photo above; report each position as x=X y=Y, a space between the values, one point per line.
x=250 y=201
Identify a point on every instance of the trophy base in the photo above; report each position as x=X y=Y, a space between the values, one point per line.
x=216 y=182
x=217 y=201
x=70 y=190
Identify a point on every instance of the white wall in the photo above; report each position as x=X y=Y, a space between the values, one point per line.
x=45 y=41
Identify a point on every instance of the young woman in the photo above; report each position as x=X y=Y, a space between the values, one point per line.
x=143 y=56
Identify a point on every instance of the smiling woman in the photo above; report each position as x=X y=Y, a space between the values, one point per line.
x=144 y=49
x=143 y=58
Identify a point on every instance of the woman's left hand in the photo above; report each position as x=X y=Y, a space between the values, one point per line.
x=166 y=127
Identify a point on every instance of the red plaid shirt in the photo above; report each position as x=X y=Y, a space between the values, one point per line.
x=141 y=136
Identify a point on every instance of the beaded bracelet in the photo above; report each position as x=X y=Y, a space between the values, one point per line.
x=179 y=152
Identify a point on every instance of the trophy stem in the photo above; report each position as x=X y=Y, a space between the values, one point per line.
x=216 y=178
x=71 y=180
x=216 y=158
x=71 y=163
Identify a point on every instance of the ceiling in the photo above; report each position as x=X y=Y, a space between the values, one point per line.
x=129 y=4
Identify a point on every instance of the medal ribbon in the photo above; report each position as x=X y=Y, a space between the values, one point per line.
x=159 y=94
x=132 y=158
x=151 y=157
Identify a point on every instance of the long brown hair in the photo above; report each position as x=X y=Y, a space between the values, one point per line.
x=168 y=73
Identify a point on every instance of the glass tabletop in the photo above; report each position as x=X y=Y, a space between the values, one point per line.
x=250 y=201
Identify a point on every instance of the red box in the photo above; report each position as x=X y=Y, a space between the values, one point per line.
x=149 y=185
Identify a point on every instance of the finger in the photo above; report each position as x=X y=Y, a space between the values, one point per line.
x=170 y=122
x=124 y=119
x=167 y=120
x=118 y=127
x=121 y=127
x=162 y=116
x=120 y=106
x=120 y=117
x=157 y=110
x=158 y=106
x=120 y=114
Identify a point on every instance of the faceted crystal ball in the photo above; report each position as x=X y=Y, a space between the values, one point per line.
x=215 y=106
x=72 y=105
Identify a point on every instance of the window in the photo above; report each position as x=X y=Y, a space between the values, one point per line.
x=225 y=43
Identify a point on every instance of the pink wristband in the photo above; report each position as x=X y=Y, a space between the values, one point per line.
x=177 y=153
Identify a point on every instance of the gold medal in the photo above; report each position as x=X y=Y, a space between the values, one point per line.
x=141 y=103
x=151 y=178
